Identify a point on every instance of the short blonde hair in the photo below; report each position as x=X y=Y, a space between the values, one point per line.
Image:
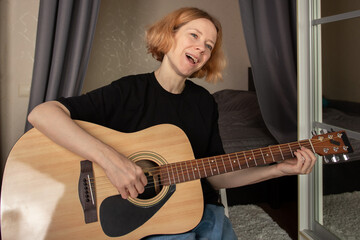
x=160 y=38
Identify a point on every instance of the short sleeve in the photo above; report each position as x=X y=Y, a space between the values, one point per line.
x=94 y=106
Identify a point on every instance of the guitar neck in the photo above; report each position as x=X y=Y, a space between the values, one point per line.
x=206 y=167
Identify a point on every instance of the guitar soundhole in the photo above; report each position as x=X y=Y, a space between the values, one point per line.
x=154 y=185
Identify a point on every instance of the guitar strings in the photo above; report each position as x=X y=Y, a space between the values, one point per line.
x=188 y=172
x=195 y=173
x=255 y=152
x=251 y=155
x=226 y=163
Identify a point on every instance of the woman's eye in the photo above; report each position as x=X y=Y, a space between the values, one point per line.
x=194 y=35
x=209 y=47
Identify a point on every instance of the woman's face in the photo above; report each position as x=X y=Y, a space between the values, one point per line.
x=193 y=44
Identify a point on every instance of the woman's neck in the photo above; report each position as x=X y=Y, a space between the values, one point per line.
x=171 y=82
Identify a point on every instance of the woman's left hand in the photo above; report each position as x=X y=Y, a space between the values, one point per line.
x=302 y=164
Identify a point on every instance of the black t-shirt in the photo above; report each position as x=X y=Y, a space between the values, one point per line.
x=137 y=102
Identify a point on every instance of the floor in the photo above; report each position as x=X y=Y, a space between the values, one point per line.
x=286 y=216
x=277 y=197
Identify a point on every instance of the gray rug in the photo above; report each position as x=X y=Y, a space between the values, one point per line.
x=342 y=215
x=251 y=222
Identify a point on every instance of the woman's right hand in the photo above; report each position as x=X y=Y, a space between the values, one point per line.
x=53 y=120
x=128 y=178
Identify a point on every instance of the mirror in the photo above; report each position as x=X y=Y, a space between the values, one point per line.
x=340 y=56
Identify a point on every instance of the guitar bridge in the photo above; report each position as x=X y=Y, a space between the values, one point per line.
x=86 y=191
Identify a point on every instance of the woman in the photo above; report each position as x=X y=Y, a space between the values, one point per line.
x=187 y=42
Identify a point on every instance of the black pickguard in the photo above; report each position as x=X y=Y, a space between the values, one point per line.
x=118 y=216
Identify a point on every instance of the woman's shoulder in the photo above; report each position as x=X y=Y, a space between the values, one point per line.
x=199 y=91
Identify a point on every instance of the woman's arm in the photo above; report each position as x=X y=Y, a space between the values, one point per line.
x=302 y=164
x=53 y=120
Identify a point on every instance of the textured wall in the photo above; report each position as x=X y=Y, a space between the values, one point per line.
x=118 y=50
x=18 y=24
x=119 y=47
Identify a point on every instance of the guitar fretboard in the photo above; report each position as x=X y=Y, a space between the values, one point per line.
x=206 y=167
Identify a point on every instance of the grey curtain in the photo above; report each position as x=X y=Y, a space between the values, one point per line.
x=64 y=38
x=270 y=34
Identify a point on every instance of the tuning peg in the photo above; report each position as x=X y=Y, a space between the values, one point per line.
x=335 y=158
x=313 y=133
x=345 y=157
x=323 y=131
x=326 y=160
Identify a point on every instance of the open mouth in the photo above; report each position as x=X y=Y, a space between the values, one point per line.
x=192 y=58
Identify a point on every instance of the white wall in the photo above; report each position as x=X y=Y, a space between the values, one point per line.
x=18 y=24
x=119 y=46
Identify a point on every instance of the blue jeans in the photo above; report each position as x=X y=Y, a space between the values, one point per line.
x=214 y=225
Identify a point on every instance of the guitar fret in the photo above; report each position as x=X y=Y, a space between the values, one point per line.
x=237 y=157
x=182 y=171
x=233 y=159
x=162 y=175
x=254 y=157
x=217 y=167
x=276 y=153
x=212 y=174
x=168 y=173
x=271 y=154
x=232 y=168
x=187 y=171
x=204 y=167
x=192 y=169
x=299 y=144
x=229 y=168
x=262 y=155
x=198 y=169
x=223 y=163
x=172 y=170
x=246 y=160
x=268 y=156
x=177 y=172
x=307 y=143
x=311 y=145
x=284 y=151
x=290 y=150
x=213 y=168
x=281 y=152
x=251 y=161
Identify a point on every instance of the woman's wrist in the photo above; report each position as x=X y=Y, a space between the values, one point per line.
x=276 y=170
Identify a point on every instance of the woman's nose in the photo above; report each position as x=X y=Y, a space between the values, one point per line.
x=200 y=48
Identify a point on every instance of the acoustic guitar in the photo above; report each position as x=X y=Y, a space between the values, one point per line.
x=51 y=193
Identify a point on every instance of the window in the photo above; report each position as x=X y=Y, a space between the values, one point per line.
x=332 y=75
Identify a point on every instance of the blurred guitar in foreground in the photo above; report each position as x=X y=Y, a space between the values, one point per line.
x=51 y=193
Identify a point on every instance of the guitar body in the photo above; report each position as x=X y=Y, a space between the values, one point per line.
x=40 y=191
x=51 y=193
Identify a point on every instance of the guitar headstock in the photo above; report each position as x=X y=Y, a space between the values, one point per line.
x=332 y=143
